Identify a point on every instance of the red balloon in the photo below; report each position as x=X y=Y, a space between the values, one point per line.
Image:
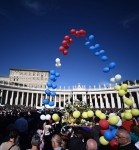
x=61 y=48
x=104 y=124
x=66 y=46
x=66 y=38
x=114 y=144
x=73 y=31
x=64 y=42
x=82 y=32
x=70 y=40
x=65 y=52
x=77 y=33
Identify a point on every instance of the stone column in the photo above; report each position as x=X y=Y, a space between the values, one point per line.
x=91 y=103
x=16 y=100
x=55 y=101
x=96 y=102
x=6 y=99
x=41 y=100
x=107 y=102
x=64 y=100
x=11 y=100
x=84 y=97
x=22 y=98
x=137 y=97
x=60 y=100
x=112 y=101
x=36 y=99
x=27 y=99
x=101 y=102
x=118 y=101
x=32 y=100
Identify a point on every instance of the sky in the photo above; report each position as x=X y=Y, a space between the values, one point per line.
x=31 y=32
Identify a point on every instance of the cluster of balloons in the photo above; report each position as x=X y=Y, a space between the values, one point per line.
x=104 y=58
x=85 y=114
x=45 y=117
x=116 y=78
x=68 y=40
x=58 y=63
x=48 y=117
x=65 y=44
x=53 y=77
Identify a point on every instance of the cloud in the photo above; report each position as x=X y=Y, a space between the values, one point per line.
x=132 y=19
x=41 y=7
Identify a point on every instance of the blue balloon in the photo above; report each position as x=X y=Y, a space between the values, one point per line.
x=91 y=37
x=108 y=135
x=46 y=101
x=54 y=86
x=106 y=69
x=87 y=43
x=104 y=58
x=111 y=127
x=92 y=47
x=52 y=77
x=51 y=103
x=49 y=84
x=102 y=51
x=52 y=72
x=97 y=45
x=57 y=74
x=53 y=94
x=114 y=131
x=112 y=65
x=97 y=53
x=48 y=92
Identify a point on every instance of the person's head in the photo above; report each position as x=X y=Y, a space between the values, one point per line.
x=91 y=144
x=123 y=137
x=56 y=141
x=35 y=141
x=14 y=136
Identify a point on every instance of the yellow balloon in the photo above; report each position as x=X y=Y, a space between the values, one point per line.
x=117 y=87
x=128 y=116
x=121 y=92
x=135 y=112
x=128 y=110
x=122 y=115
x=103 y=141
x=128 y=101
x=98 y=112
x=84 y=115
x=55 y=117
x=90 y=113
x=124 y=87
x=76 y=114
x=113 y=119
x=102 y=116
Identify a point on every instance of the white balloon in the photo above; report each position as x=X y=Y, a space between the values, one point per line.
x=42 y=117
x=57 y=60
x=112 y=114
x=118 y=77
x=48 y=117
x=112 y=79
x=119 y=123
x=58 y=65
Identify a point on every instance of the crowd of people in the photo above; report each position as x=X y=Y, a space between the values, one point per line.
x=21 y=128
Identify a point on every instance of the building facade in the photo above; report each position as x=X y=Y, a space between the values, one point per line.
x=27 y=87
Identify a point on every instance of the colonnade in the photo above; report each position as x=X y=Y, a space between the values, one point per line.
x=102 y=98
